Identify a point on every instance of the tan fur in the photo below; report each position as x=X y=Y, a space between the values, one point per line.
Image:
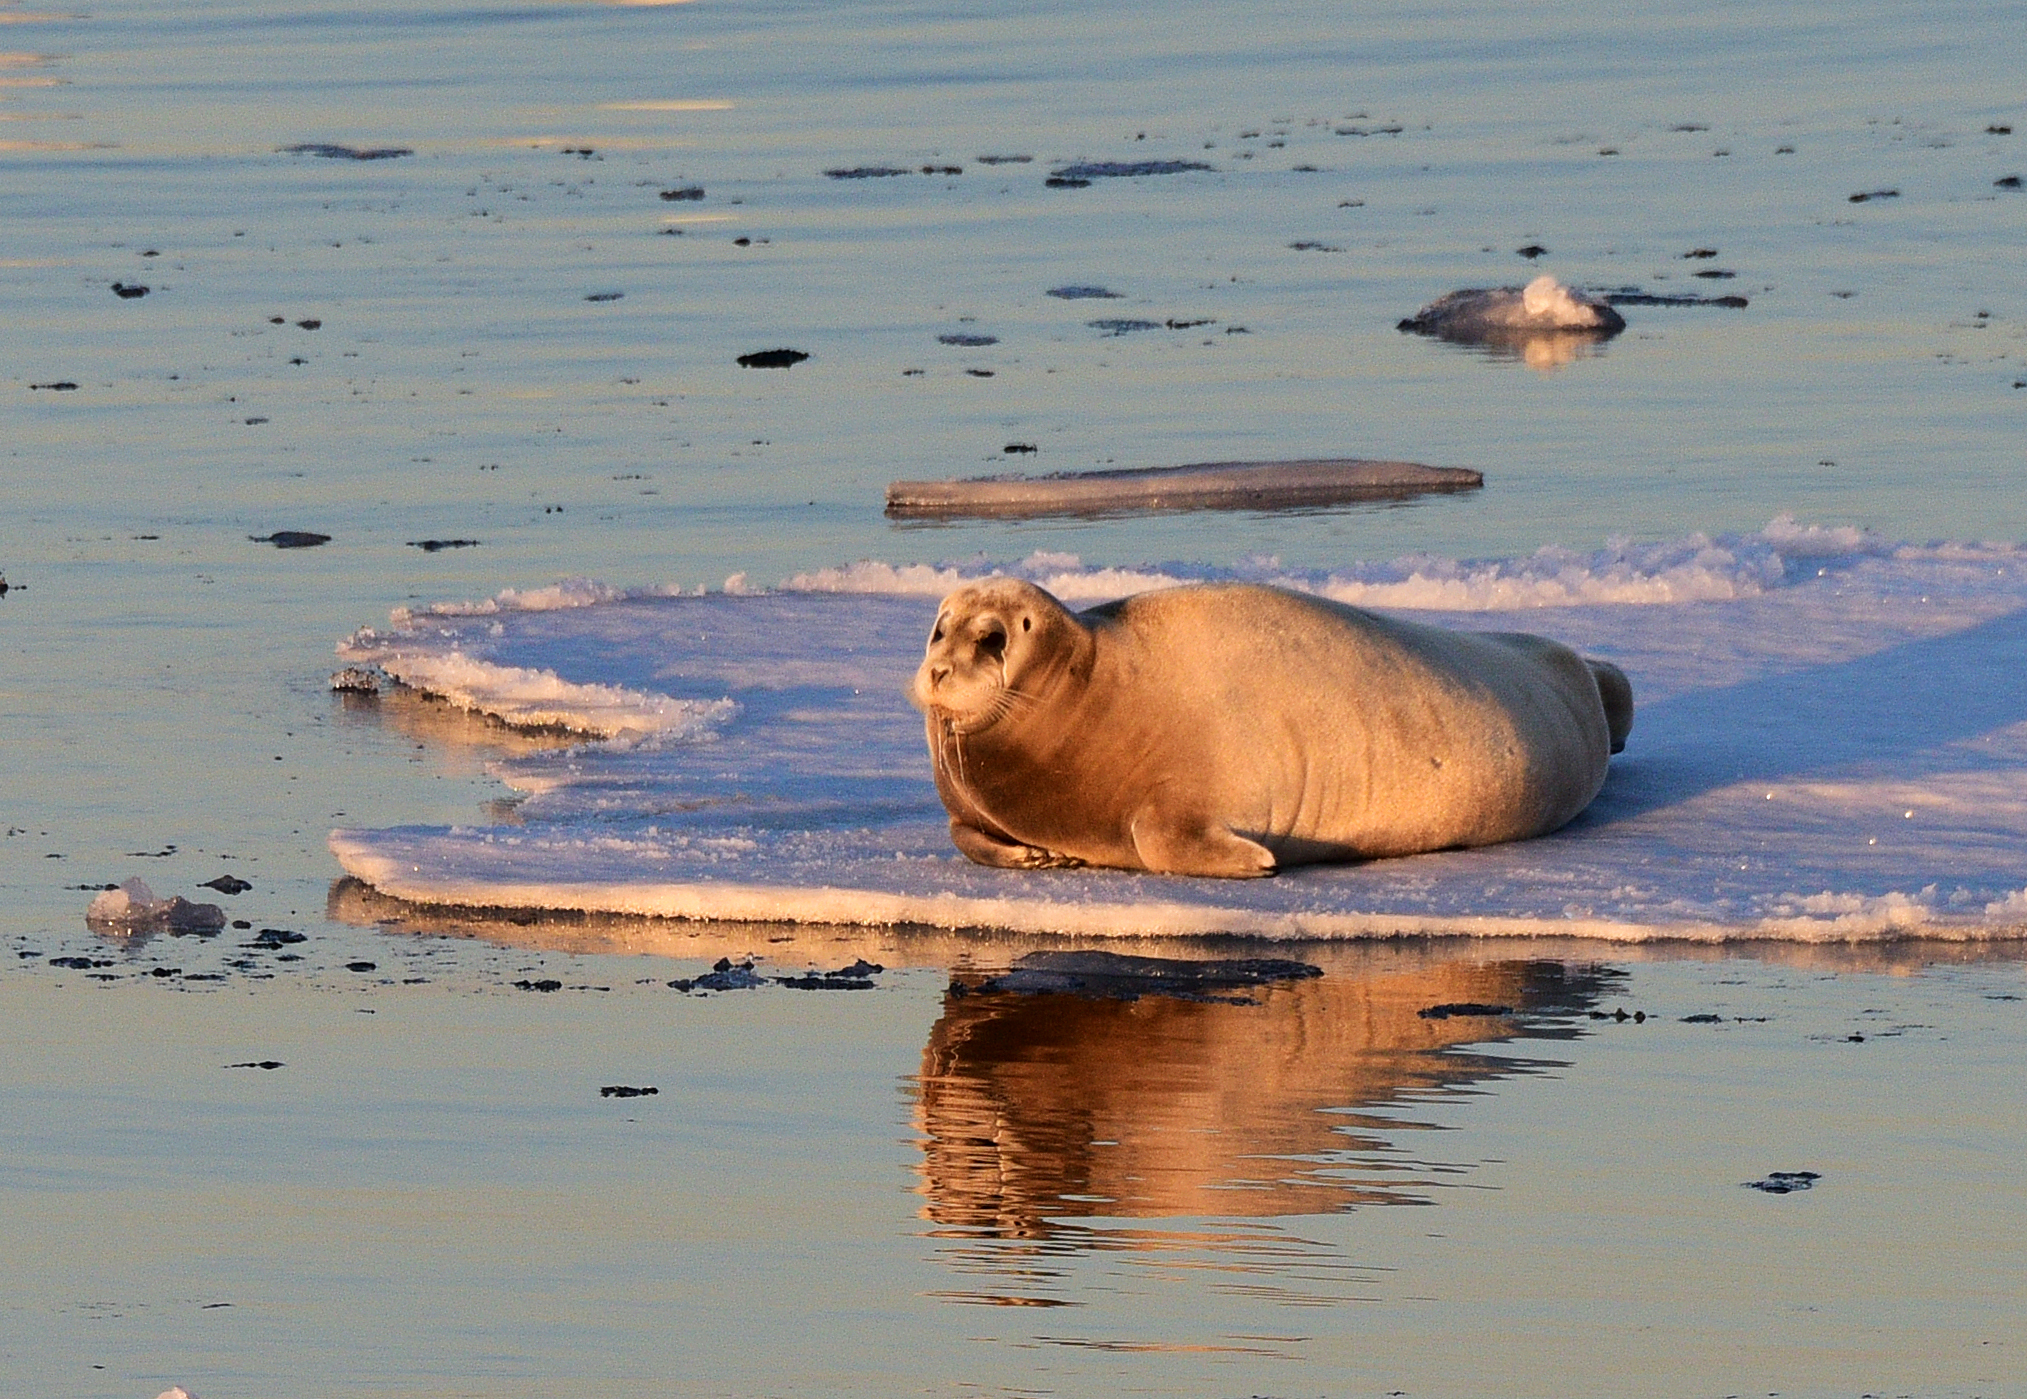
x=1231 y=729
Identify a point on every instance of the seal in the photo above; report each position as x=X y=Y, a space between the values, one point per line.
x=1232 y=729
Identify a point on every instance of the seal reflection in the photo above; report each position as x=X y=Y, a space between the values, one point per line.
x=1053 y=1097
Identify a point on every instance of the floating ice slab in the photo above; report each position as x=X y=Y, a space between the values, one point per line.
x=1831 y=745
x=1229 y=485
x=1543 y=306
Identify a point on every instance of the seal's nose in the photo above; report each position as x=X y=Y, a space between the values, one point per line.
x=938 y=674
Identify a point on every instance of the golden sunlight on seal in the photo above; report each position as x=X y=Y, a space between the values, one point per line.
x=1233 y=729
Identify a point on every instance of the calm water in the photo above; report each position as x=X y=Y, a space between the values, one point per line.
x=828 y=1191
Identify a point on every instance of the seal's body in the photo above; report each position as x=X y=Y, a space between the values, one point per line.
x=1231 y=729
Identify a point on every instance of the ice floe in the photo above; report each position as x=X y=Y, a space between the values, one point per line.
x=1831 y=746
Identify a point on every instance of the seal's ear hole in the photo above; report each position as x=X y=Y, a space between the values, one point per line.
x=993 y=644
x=1027 y=624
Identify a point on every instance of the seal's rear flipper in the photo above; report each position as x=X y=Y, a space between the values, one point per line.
x=1617 y=693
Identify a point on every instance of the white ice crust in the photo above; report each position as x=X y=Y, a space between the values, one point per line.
x=1831 y=745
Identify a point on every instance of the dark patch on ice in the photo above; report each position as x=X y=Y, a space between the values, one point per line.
x=1066 y=182
x=227 y=884
x=604 y=296
x=864 y=172
x=1998 y=130
x=1784 y=1182
x=1118 y=976
x=2006 y=182
x=856 y=977
x=1017 y=448
x=291 y=539
x=1003 y=159
x=126 y=292
x=943 y=169
x=57 y=386
x=1450 y=1009
x=331 y=151
x=1690 y=126
x=772 y=359
x=1309 y=247
x=979 y=373
x=546 y=984
x=725 y=975
x=255 y=422
x=362 y=967
x=1083 y=294
x=967 y=340
x=430 y=546
x=1622 y=1015
x=1125 y=169
x=1531 y=251
x=312 y=323
x=1173 y=324
x=78 y=964
x=621 y=1090
x=1706 y=1018
x=165 y=972
x=1122 y=327
x=686 y=193
x=1715 y=274
x=1870 y=195
x=255 y=1064
x=1368 y=130
x=1700 y=253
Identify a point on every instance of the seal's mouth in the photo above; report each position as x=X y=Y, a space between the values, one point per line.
x=964 y=723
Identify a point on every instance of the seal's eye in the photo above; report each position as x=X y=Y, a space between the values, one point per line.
x=993 y=644
x=1027 y=624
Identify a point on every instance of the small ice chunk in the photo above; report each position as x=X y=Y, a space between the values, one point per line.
x=356 y=680
x=133 y=907
x=1543 y=306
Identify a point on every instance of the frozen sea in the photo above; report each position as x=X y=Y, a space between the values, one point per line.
x=1413 y=1162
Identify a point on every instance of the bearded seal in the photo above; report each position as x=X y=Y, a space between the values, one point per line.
x=1233 y=729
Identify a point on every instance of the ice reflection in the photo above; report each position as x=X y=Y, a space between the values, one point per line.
x=1037 y=1108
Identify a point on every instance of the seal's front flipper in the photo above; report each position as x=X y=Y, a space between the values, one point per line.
x=1166 y=846
x=975 y=845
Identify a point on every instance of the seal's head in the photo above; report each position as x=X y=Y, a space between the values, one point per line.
x=998 y=646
